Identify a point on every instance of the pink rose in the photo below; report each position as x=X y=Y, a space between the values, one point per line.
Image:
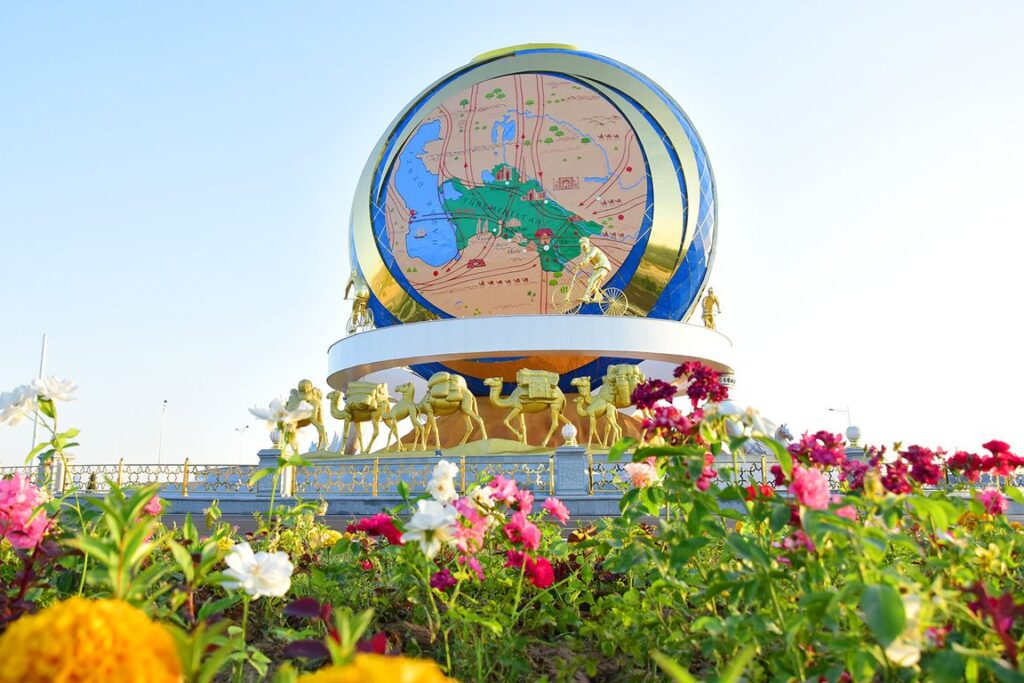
x=19 y=522
x=848 y=512
x=995 y=502
x=154 y=506
x=470 y=528
x=504 y=488
x=810 y=488
x=642 y=474
x=556 y=509
x=522 y=530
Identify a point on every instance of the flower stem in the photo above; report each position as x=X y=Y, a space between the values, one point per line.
x=782 y=625
x=240 y=671
x=519 y=592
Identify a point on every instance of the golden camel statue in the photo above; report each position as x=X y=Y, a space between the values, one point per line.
x=603 y=404
x=536 y=391
x=405 y=407
x=305 y=391
x=448 y=394
x=364 y=402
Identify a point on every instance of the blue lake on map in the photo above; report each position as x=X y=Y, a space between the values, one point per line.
x=503 y=131
x=431 y=235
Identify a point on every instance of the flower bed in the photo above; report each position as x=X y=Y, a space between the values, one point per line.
x=699 y=577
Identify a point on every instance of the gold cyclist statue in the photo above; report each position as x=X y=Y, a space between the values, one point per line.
x=569 y=297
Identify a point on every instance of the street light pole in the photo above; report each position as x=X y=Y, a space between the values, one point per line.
x=42 y=367
x=160 y=448
x=849 y=420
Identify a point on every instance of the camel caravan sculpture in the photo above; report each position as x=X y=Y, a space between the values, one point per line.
x=535 y=392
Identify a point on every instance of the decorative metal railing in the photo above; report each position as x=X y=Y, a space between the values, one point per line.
x=382 y=475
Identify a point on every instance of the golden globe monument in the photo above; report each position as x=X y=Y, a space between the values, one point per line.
x=533 y=224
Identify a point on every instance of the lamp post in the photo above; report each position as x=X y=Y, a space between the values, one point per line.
x=42 y=367
x=852 y=433
x=160 y=448
x=849 y=420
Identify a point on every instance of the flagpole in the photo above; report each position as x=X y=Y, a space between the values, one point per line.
x=42 y=367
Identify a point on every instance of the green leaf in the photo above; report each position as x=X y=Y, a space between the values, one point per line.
x=1000 y=670
x=783 y=456
x=99 y=550
x=184 y=560
x=259 y=474
x=748 y=551
x=735 y=670
x=780 y=517
x=620 y=447
x=35 y=451
x=674 y=671
x=216 y=606
x=1015 y=494
x=47 y=408
x=626 y=559
x=940 y=513
x=945 y=667
x=684 y=550
x=883 y=612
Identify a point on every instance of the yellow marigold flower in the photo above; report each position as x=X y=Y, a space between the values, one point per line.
x=329 y=538
x=988 y=559
x=369 y=668
x=88 y=641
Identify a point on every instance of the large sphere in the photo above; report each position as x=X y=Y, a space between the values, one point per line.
x=473 y=202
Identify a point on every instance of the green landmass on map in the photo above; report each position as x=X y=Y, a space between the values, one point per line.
x=524 y=217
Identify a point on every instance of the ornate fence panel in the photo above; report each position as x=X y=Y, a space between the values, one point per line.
x=221 y=478
x=533 y=472
x=99 y=477
x=29 y=472
x=335 y=479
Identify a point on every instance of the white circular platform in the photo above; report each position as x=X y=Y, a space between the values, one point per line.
x=454 y=339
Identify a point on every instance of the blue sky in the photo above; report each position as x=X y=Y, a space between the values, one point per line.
x=175 y=184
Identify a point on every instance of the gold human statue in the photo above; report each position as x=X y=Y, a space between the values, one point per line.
x=448 y=394
x=709 y=306
x=305 y=391
x=361 y=317
x=593 y=407
x=593 y=256
x=405 y=407
x=536 y=391
x=364 y=402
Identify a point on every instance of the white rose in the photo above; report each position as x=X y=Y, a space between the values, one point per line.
x=431 y=525
x=442 y=490
x=54 y=389
x=259 y=573
x=18 y=404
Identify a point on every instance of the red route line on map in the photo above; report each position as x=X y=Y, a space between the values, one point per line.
x=442 y=164
x=520 y=119
x=534 y=155
x=627 y=148
x=466 y=149
x=455 y=266
x=465 y=276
